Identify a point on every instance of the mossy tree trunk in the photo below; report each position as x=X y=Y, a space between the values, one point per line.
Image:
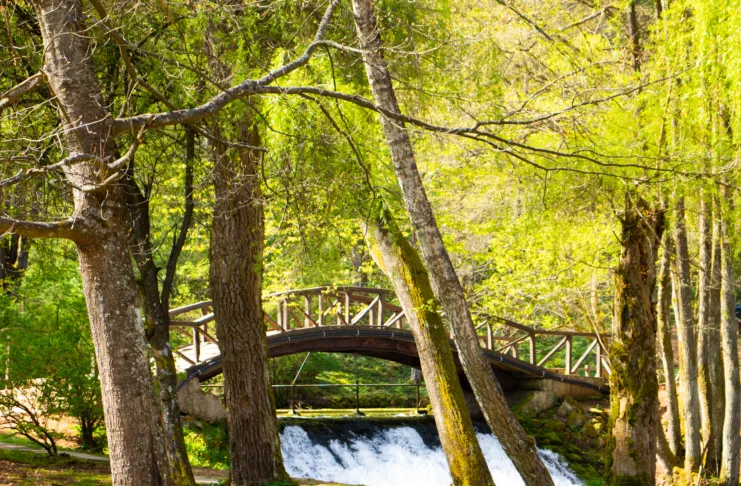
x=729 y=467
x=400 y=261
x=664 y=339
x=633 y=382
x=516 y=443
x=236 y=286
x=687 y=344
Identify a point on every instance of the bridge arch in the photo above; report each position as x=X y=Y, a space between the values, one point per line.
x=366 y=321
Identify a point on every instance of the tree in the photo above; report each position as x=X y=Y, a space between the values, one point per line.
x=400 y=261
x=520 y=448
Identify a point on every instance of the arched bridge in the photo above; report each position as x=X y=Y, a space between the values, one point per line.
x=369 y=321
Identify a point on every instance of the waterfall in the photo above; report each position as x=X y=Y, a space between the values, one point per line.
x=391 y=456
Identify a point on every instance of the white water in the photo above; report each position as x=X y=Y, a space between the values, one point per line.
x=398 y=457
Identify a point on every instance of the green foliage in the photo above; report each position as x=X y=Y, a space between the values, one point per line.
x=207 y=446
x=47 y=351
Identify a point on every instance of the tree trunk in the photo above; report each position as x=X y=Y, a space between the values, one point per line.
x=633 y=382
x=715 y=369
x=156 y=311
x=136 y=453
x=664 y=338
x=687 y=345
x=236 y=287
x=729 y=467
x=516 y=443
x=400 y=261
x=707 y=347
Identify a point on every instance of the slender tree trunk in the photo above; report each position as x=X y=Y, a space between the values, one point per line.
x=715 y=352
x=236 y=287
x=687 y=345
x=729 y=467
x=402 y=264
x=704 y=338
x=516 y=443
x=664 y=338
x=137 y=456
x=156 y=307
x=633 y=382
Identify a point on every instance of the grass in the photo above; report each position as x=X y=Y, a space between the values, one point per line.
x=28 y=468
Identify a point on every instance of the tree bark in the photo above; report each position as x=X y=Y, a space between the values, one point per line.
x=137 y=456
x=664 y=338
x=633 y=382
x=707 y=347
x=729 y=466
x=156 y=308
x=516 y=443
x=401 y=263
x=236 y=287
x=687 y=344
x=716 y=372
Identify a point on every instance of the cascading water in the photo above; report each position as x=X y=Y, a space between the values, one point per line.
x=382 y=454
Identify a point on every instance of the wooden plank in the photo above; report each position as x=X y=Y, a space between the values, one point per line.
x=270 y=321
x=208 y=337
x=533 y=351
x=393 y=319
x=184 y=357
x=586 y=353
x=365 y=311
x=308 y=321
x=552 y=351
x=568 y=355
x=190 y=307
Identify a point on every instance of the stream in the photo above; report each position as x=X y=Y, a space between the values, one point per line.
x=390 y=452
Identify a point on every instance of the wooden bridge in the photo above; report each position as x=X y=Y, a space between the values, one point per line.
x=370 y=322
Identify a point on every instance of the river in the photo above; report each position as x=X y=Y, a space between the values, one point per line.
x=390 y=452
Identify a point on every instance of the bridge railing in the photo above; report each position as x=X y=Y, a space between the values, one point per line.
x=364 y=306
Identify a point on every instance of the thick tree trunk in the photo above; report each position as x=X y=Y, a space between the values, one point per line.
x=132 y=425
x=715 y=353
x=633 y=382
x=236 y=287
x=664 y=338
x=402 y=264
x=156 y=312
x=729 y=467
x=687 y=344
x=516 y=443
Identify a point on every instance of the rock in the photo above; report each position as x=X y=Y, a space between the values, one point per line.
x=592 y=429
x=557 y=426
x=568 y=406
x=576 y=419
x=201 y=405
x=537 y=402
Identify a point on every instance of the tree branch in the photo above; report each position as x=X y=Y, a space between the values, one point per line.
x=70 y=229
x=14 y=94
x=218 y=102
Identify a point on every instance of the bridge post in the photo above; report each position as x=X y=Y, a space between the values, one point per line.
x=196 y=344
x=379 y=318
x=283 y=307
x=489 y=337
x=307 y=310
x=357 y=396
x=568 y=355
x=347 y=307
x=321 y=310
x=598 y=355
x=531 y=339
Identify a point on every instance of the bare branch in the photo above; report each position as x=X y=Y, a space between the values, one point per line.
x=218 y=102
x=14 y=94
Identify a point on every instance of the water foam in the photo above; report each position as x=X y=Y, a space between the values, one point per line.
x=395 y=457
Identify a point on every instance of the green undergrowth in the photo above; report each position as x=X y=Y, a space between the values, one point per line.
x=581 y=448
x=28 y=468
x=339 y=368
